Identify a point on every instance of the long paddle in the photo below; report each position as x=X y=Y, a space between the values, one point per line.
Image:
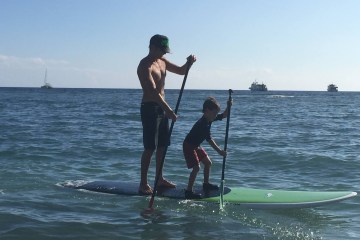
x=151 y=202
x=225 y=148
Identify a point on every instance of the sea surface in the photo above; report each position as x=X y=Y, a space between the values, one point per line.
x=277 y=140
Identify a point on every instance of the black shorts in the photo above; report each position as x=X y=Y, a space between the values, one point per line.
x=155 y=126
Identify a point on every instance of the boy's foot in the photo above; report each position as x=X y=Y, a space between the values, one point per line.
x=209 y=186
x=166 y=184
x=145 y=190
x=192 y=195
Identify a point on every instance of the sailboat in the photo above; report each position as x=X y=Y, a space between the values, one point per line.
x=46 y=84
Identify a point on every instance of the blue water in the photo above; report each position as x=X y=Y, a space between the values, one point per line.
x=278 y=140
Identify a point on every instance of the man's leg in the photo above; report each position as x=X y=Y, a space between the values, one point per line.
x=144 y=187
x=162 y=181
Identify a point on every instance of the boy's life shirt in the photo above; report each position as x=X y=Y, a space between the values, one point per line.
x=201 y=131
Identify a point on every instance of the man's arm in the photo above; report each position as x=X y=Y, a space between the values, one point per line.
x=176 y=69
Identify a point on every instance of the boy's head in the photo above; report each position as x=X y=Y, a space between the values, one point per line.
x=211 y=104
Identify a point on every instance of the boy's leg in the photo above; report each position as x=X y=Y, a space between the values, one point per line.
x=207 y=166
x=192 y=177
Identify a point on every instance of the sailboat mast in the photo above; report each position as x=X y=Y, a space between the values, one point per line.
x=45 y=76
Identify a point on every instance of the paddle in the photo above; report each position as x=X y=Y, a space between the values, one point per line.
x=225 y=148
x=151 y=202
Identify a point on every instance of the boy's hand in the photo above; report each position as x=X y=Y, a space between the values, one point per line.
x=223 y=153
x=225 y=113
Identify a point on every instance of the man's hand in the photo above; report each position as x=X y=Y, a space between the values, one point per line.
x=191 y=59
x=171 y=115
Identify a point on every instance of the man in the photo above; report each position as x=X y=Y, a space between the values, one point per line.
x=155 y=111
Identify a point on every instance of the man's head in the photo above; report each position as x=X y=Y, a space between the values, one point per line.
x=161 y=42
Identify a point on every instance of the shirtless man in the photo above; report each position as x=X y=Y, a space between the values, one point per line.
x=155 y=111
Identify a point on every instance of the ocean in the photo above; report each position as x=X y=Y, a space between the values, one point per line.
x=293 y=140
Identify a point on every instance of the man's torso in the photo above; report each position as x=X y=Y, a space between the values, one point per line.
x=158 y=73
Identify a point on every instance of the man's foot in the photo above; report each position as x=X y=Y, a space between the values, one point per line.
x=209 y=186
x=145 y=190
x=166 y=184
x=192 y=195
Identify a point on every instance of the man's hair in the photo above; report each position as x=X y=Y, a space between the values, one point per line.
x=211 y=104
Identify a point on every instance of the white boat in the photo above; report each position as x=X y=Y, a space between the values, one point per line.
x=46 y=84
x=332 y=88
x=257 y=87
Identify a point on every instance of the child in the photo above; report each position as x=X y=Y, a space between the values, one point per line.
x=194 y=154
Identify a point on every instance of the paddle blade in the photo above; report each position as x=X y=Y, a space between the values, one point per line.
x=150 y=209
x=222 y=194
x=151 y=202
x=147 y=211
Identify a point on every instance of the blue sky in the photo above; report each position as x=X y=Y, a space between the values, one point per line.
x=288 y=45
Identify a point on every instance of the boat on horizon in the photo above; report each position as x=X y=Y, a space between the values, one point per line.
x=257 y=87
x=46 y=84
x=332 y=88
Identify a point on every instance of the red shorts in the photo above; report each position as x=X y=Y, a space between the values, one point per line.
x=193 y=155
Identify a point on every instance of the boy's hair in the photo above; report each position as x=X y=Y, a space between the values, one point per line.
x=211 y=104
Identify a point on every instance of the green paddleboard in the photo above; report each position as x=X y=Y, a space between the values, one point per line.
x=246 y=197
x=262 y=198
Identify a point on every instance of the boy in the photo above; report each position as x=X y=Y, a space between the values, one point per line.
x=194 y=154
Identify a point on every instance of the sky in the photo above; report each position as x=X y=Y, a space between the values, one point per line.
x=288 y=45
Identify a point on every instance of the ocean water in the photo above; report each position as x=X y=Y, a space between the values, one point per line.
x=277 y=140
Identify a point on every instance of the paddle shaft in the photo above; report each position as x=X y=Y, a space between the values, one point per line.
x=226 y=133
x=151 y=202
x=225 y=148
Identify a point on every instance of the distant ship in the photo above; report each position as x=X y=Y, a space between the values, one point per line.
x=46 y=84
x=332 y=88
x=257 y=87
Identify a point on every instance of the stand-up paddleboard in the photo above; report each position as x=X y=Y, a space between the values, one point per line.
x=247 y=197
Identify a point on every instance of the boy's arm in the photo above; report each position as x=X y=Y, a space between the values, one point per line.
x=216 y=147
x=226 y=112
x=223 y=115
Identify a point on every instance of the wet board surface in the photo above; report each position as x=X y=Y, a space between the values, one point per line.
x=131 y=188
x=247 y=197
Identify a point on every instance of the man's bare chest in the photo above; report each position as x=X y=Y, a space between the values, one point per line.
x=158 y=72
